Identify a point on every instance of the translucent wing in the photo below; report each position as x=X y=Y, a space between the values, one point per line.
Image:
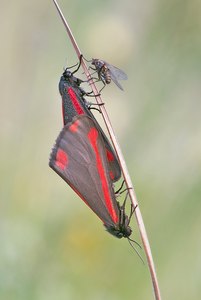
x=116 y=74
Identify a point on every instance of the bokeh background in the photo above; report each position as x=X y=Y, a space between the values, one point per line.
x=52 y=246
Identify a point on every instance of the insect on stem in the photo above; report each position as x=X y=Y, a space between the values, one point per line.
x=126 y=175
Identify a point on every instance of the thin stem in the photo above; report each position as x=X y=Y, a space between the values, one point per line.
x=126 y=175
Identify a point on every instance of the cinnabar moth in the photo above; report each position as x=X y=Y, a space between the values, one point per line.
x=74 y=104
x=79 y=157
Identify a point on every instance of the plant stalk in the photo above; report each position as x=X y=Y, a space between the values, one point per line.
x=117 y=148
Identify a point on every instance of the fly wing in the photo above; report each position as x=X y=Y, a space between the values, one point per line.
x=79 y=157
x=116 y=74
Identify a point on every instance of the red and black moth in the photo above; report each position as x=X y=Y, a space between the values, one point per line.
x=74 y=104
x=79 y=157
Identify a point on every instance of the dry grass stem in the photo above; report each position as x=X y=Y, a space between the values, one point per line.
x=126 y=175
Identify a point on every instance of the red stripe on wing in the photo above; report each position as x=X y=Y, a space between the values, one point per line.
x=75 y=102
x=93 y=135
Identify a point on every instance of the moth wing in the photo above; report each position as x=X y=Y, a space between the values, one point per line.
x=79 y=157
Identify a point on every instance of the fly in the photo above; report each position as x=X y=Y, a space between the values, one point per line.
x=107 y=72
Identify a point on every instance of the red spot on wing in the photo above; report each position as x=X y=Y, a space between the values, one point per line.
x=61 y=159
x=110 y=156
x=75 y=101
x=111 y=175
x=74 y=126
x=93 y=135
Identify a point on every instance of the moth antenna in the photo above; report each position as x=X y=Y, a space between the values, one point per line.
x=71 y=67
x=86 y=59
x=79 y=64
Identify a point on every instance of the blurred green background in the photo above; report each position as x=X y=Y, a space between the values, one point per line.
x=52 y=245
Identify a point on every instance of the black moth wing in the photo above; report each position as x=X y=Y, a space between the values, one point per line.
x=69 y=112
x=114 y=167
x=83 y=164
